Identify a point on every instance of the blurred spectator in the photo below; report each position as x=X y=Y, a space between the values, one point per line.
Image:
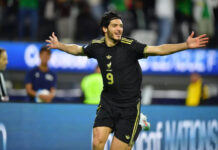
x=28 y=13
x=92 y=86
x=3 y=63
x=96 y=8
x=8 y=19
x=41 y=79
x=165 y=14
x=47 y=18
x=209 y=21
x=149 y=9
x=2 y=10
x=62 y=16
x=64 y=22
x=118 y=5
x=141 y=30
x=184 y=18
x=204 y=17
x=197 y=91
x=215 y=38
x=87 y=27
x=139 y=14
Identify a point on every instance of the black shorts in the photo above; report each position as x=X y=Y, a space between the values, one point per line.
x=124 y=121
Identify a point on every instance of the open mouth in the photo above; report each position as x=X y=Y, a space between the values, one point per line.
x=118 y=34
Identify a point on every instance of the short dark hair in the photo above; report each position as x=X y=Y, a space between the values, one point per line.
x=45 y=49
x=1 y=51
x=107 y=17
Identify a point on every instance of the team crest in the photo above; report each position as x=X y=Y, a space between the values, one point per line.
x=108 y=56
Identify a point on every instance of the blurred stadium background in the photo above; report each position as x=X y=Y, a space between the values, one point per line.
x=165 y=79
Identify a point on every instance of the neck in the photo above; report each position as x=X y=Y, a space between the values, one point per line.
x=110 y=42
x=43 y=68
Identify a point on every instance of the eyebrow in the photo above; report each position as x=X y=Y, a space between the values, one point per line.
x=116 y=24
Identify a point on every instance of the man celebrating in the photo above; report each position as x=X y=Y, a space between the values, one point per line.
x=117 y=56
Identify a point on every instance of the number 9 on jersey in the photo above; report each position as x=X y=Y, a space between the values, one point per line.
x=110 y=78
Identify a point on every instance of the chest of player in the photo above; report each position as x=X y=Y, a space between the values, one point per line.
x=115 y=58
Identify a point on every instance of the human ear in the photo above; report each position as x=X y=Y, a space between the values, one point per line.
x=104 y=29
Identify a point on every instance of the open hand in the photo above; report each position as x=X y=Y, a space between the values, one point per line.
x=53 y=42
x=199 y=41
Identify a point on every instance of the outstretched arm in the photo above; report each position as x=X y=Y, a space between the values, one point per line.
x=69 y=48
x=167 y=49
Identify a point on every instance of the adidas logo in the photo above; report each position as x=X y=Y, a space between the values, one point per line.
x=127 y=137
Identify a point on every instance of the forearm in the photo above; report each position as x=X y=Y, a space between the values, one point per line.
x=166 y=49
x=30 y=91
x=70 y=48
x=52 y=93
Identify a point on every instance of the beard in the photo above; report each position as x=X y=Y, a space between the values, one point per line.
x=110 y=35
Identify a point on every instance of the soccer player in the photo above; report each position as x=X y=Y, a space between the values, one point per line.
x=117 y=56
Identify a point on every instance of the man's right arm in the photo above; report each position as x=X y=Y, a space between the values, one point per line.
x=30 y=90
x=69 y=48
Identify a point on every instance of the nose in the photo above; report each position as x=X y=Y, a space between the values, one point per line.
x=119 y=28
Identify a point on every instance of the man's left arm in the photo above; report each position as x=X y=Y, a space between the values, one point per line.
x=166 y=49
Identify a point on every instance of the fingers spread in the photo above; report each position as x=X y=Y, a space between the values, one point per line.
x=51 y=38
x=204 y=39
x=202 y=36
x=49 y=41
x=203 y=42
x=202 y=45
x=54 y=36
x=192 y=34
x=49 y=46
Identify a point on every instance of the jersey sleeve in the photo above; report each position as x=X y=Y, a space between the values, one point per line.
x=88 y=50
x=139 y=49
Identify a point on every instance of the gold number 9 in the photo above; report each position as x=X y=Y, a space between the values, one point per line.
x=110 y=78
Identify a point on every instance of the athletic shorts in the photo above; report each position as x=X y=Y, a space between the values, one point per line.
x=124 y=121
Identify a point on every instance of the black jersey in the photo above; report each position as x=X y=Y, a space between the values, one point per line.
x=121 y=72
